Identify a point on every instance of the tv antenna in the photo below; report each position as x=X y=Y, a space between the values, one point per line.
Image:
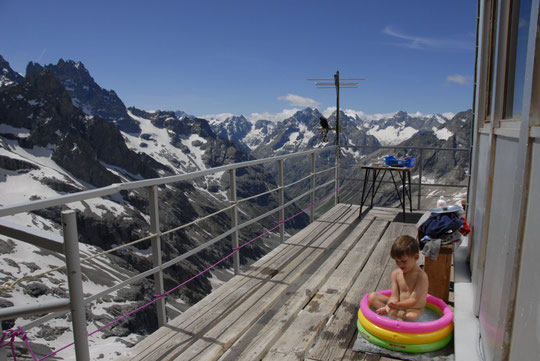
x=325 y=83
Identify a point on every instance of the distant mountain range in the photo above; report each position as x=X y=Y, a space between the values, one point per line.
x=60 y=133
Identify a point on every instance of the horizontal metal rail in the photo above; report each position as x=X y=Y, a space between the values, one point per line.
x=37 y=237
x=414 y=184
x=10 y=313
x=117 y=187
x=405 y=147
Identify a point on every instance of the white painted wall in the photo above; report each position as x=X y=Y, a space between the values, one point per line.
x=526 y=336
x=495 y=299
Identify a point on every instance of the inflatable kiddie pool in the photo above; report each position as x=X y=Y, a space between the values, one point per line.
x=405 y=336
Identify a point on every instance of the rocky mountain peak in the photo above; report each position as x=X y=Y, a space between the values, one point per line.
x=87 y=95
x=308 y=116
x=8 y=76
x=233 y=128
x=400 y=116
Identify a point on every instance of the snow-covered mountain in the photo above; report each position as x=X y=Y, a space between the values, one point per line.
x=302 y=129
x=402 y=126
x=60 y=133
x=86 y=94
x=50 y=146
x=8 y=76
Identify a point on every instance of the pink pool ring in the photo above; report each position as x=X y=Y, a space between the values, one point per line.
x=406 y=326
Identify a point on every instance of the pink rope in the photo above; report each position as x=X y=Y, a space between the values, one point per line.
x=12 y=334
x=159 y=297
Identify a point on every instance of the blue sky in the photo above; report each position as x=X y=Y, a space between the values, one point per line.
x=244 y=57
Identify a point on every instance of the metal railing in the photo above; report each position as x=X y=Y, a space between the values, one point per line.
x=70 y=248
x=419 y=166
x=69 y=244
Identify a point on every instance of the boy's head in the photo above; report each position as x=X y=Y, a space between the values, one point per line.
x=405 y=252
x=404 y=246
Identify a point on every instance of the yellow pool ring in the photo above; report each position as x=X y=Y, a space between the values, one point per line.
x=402 y=337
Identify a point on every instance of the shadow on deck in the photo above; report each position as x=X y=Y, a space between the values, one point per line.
x=299 y=302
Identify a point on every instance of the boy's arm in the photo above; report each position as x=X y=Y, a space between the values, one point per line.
x=419 y=293
x=394 y=297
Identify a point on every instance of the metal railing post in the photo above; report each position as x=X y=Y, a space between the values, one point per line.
x=281 y=200
x=338 y=164
x=234 y=221
x=312 y=210
x=420 y=168
x=153 y=203
x=76 y=295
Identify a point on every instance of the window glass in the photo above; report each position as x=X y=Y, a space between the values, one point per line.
x=517 y=54
x=491 y=54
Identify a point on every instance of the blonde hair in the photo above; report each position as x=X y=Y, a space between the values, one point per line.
x=404 y=245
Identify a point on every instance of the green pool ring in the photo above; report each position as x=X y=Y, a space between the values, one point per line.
x=427 y=347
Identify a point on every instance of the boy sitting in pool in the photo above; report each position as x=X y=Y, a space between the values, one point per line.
x=409 y=284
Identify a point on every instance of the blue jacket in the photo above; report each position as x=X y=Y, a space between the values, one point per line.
x=440 y=223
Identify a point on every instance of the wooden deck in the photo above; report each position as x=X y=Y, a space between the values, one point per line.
x=299 y=302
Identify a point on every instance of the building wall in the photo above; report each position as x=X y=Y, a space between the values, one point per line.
x=525 y=341
x=505 y=242
x=477 y=256
x=494 y=302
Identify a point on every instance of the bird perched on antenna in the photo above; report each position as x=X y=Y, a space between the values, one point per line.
x=324 y=128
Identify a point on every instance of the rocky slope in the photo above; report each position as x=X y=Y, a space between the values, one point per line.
x=49 y=146
x=60 y=133
x=8 y=77
x=86 y=94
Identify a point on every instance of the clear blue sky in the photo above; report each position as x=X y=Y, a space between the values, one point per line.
x=208 y=57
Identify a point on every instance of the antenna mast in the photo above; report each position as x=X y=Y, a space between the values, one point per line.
x=336 y=84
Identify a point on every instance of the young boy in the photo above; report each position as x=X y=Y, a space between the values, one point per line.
x=409 y=284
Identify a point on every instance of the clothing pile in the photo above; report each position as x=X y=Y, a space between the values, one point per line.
x=438 y=226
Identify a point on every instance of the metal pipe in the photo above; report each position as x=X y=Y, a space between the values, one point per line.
x=117 y=187
x=281 y=201
x=10 y=313
x=234 y=220
x=153 y=203
x=37 y=237
x=76 y=295
x=311 y=210
x=404 y=147
x=420 y=168
x=338 y=129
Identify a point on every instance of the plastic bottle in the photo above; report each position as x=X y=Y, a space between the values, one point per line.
x=441 y=203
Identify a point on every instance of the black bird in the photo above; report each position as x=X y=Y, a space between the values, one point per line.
x=325 y=128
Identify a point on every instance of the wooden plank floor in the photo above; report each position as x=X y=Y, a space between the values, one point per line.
x=299 y=302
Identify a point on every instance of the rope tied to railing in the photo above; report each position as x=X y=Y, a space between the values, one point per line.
x=11 y=334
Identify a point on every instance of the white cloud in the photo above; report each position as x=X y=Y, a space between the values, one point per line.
x=299 y=101
x=448 y=115
x=458 y=79
x=424 y=43
x=217 y=117
x=273 y=117
x=328 y=111
x=361 y=114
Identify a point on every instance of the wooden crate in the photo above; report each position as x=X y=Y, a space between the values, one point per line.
x=438 y=272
